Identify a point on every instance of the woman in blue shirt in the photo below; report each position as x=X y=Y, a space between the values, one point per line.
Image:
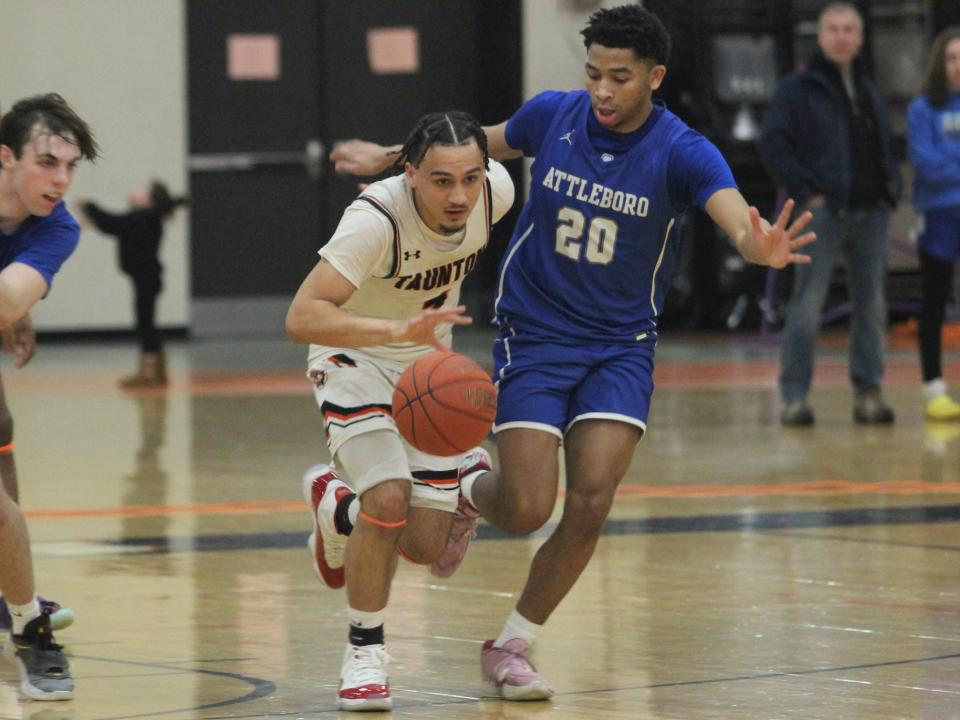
x=933 y=129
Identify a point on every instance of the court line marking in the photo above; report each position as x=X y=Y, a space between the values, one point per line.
x=403 y=705
x=261 y=687
x=747 y=521
x=818 y=488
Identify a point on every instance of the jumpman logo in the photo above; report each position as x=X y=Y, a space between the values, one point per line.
x=568 y=136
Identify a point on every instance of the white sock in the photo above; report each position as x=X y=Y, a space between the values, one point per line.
x=517 y=626
x=20 y=615
x=353 y=510
x=466 y=485
x=934 y=388
x=364 y=619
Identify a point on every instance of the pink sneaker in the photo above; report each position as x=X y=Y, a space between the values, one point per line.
x=322 y=489
x=508 y=672
x=464 y=527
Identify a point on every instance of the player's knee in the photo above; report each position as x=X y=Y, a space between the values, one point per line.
x=387 y=502
x=590 y=509
x=528 y=514
x=527 y=502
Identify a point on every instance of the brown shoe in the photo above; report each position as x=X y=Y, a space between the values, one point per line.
x=152 y=372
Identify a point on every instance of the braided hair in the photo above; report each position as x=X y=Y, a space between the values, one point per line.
x=451 y=129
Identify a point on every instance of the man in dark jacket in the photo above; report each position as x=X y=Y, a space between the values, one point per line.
x=827 y=142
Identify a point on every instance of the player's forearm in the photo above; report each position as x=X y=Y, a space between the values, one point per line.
x=11 y=309
x=497 y=146
x=728 y=209
x=322 y=323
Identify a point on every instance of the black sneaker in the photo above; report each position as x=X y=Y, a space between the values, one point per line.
x=870 y=409
x=796 y=413
x=60 y=617
x=44 y=670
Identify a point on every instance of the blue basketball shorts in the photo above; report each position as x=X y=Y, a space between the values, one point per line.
x=941 y=234
x=550 y=386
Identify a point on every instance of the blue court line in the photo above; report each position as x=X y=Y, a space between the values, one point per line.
x=735 y=522
x=261 y=687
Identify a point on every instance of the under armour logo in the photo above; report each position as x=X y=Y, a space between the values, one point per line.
x=606 y=157
x=568 y=136
x=407 y=254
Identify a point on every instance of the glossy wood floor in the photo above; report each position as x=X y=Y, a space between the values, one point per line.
x=748 y=571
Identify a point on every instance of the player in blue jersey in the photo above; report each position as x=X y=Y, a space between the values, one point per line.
x=581 y=286
x=41 y=142
x=933 y=131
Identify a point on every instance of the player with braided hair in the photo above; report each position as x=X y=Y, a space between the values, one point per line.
x=443 y=128
x=582 y=284
x=385 y=292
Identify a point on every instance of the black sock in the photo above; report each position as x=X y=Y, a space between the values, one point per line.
x=341 y=516
x=366 y=636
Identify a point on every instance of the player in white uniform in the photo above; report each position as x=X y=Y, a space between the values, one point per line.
x=385 y=292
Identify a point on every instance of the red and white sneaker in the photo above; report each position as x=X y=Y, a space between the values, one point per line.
x=364 y=684
x=465 y=519
x=322 y=489
x=508 y=672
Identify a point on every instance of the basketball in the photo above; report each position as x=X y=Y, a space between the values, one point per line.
x=444 y=404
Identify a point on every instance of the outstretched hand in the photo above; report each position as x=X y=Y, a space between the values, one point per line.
x=359 y=157
x=777 y=244
x=422 y=328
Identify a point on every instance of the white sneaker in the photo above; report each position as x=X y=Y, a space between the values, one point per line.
x=364 y=684
x=322 y=489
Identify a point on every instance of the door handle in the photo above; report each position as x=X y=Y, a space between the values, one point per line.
x=311 y=158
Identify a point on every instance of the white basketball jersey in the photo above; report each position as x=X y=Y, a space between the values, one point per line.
x=422 y=269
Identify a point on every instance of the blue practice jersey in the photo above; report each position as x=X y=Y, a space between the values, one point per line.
x=43 y=243
x=592 y=253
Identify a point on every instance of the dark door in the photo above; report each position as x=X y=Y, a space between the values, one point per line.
x=256 y=208
x=263 y=197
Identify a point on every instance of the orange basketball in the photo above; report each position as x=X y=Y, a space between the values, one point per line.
x=444 y=404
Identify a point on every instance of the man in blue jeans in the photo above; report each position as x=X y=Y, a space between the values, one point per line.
x=827 y=142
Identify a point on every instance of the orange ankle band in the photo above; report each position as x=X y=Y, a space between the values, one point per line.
x=380 y=523
x=6 y=449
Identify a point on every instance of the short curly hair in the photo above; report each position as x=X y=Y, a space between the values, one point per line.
x=629 y=26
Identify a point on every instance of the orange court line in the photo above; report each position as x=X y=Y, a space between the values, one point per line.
x=232 y=508
x=816 y=488
x=680 y=375
x=813 y=487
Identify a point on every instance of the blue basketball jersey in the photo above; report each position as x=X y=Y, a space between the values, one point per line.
x=592 y=253
x=43 y=243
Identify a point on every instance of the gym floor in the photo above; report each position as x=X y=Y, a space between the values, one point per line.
x=747 y=570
